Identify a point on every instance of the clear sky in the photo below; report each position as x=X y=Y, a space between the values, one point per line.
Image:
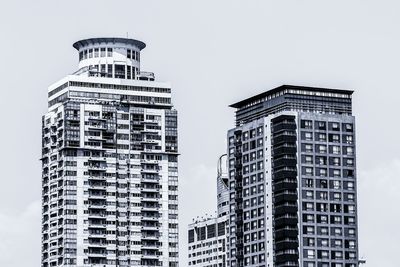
x=214 y=53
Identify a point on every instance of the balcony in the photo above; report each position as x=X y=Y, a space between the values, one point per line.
x=155 y=199
x=150 y=208
x=150 y=180
x=94 y=215
x=150 y=189
x=97 y=168
x=150 y=237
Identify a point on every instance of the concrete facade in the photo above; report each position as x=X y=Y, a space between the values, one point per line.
x=110 y=163
x=292 y=179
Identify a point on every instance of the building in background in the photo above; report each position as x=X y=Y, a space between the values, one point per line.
x=222 y=187
x=292 y=179
x=207 y=237
x=207 y=244
x=110 y=163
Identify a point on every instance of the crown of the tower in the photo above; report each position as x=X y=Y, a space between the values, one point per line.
x=110 y=57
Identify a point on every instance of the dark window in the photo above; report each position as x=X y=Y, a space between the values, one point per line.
x=211 y=232
x=109 y=52
x=320 y=125
x=201 y=233
x=129 y=72
x=119 y=71
x=109 y=70
x=191 y=236
x=221 y=228
x=103 y=72
x=306 y=124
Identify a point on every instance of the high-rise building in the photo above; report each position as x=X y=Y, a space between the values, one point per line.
x=110 y=163
x=292 y=179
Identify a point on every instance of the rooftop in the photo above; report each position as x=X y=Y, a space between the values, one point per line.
x=284 y=89
x=85 y=42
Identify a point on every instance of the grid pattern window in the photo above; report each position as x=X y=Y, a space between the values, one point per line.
x=328 y=193
x=246 y=167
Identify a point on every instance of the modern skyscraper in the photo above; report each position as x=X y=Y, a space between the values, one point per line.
x=292 y=179
x=110 y=163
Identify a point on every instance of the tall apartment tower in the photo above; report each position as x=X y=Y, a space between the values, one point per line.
x=292 y=179
x=109 y=156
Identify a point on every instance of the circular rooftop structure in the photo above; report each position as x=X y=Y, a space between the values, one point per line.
x=95 y=41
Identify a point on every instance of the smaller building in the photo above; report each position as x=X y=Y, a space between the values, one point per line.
x=208 y=242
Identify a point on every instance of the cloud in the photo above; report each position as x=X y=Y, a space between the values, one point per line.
x=379 y=213
x=20 y=237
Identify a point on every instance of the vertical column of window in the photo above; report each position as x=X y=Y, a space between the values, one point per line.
x=67 y=171
x=284 y=189
x=171 y=131
x=330 y=241
x=173 y=208
x=137 y=128
x=108 y=135
x=253 y=197
x=102 y=51
x=122 y=155
x=103 y=72
x=109 y=70
x=150 y=188
x=96 y=199
x=239 y=220
x=45 y=190
x=72 y=126
x=129 y=72
x=307 y=188
x=109 y=52
x=350 y=242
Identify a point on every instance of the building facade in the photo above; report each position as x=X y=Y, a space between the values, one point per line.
x=292 y=179
x=207 y=244
x=110 y=163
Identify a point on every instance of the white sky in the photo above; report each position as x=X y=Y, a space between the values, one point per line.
x=214 y=53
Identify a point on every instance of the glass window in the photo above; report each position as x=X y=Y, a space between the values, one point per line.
x=119 y=71
x=310 y=254
x=109 y=52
